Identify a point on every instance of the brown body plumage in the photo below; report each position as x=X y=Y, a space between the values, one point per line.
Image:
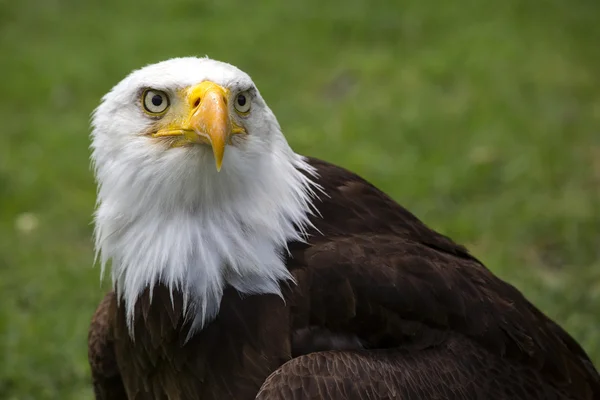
x=383 y=308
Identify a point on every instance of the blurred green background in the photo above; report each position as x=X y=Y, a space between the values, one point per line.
x=481 y=117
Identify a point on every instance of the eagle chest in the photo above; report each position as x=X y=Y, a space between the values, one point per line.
x=229 y=358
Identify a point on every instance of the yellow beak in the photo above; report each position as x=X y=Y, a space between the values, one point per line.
x=208 y=120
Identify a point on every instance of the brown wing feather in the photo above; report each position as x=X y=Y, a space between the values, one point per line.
x=454 y=369
x=419 y=302
x=106 y=378
x=402 y=297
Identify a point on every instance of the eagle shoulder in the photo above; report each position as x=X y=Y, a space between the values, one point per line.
x=374 y=271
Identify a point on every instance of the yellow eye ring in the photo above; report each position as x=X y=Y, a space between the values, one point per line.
x=242 y=102
x=155 y=102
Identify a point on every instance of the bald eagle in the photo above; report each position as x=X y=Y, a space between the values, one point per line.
x=243 y=270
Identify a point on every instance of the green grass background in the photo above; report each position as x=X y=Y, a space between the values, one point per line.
x=481 y=117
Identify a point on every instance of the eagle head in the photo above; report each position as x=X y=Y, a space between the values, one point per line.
x=197 y=186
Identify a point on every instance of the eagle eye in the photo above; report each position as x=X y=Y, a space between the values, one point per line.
x=155 y=102
x=242 y=102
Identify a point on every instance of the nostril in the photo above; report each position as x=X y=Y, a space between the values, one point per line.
x=196 y=103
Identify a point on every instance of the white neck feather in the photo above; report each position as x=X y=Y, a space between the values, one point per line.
x=172 y=219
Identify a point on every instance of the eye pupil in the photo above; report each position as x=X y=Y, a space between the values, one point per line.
x=241 y=99
x=157 y=100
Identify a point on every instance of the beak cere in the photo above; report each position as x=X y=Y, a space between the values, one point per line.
x=209 y=117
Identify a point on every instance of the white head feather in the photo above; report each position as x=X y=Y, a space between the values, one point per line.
x=165 y=215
